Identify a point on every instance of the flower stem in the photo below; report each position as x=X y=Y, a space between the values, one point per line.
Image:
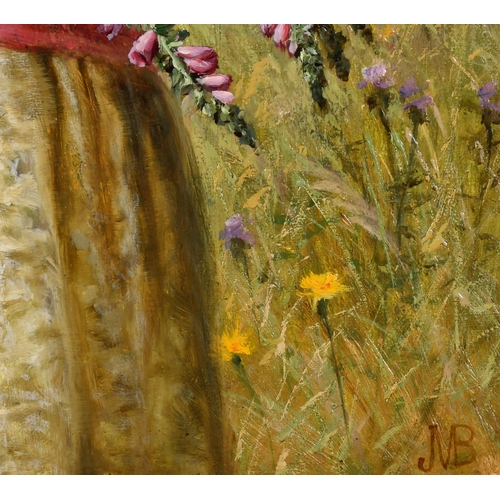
x=337 y=368
x=485 y=188
x=242 y=373
x=407 y=180
x=489 y=133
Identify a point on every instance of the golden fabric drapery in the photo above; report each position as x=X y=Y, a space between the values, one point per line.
x=104 y=351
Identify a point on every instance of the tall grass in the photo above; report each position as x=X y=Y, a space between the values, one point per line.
x=418 y=332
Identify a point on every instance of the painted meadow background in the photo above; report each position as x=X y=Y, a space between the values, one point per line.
x=417 y=333
x=316 y=293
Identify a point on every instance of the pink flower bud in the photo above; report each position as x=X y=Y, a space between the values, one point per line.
x=191 y=52
x=282 y=35
x=111 y=30
x=202 y=66
x=215 y=82
x=268 y=29
x=292 y=48
x=223 y=96
x=144 y=49
x=202 y=60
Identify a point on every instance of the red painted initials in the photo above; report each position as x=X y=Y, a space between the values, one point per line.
x=454 y=442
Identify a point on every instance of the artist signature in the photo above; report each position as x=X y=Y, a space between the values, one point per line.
x=456 y=444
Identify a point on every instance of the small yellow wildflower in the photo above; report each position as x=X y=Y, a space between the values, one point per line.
x=322 y=286
x=234 y=343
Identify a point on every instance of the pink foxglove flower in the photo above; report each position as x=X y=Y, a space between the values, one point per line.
x=201 y=60
x=202 y=66
x=144 y=49
x=268 y=29
x=223 y=96
x=192 y=52
x=111 y=30
x=215 y=82
x=282 y=35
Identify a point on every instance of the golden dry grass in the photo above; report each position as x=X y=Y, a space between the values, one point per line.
x=417 y=334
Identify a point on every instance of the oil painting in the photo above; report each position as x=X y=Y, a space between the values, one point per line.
x=237 y=249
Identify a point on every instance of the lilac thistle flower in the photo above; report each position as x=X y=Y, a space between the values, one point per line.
x=111 y=30
x=485 y=104
x=235 y=230
x=376 y=75
x=485 y=93
x=409 y=88
x=420 y=103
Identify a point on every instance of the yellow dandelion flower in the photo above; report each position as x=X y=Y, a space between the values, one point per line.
x=234 y=342
x=322 y=286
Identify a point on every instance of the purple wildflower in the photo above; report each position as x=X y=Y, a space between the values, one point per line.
x=409 y=88
x=235 y=229
x=485 y=104
x=487 y=91
x=421 y=103
x=373 y=73
x=376 y=75
x=111 y=30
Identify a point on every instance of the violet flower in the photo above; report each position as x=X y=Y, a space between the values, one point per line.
x=376 y=75
x=485 y=104
x=420 y=103
x=144 y=49
x=409 y=88
x=485 y=93
x=111 y=30
x=201 y=60
x=215 y=82
x=235 y=230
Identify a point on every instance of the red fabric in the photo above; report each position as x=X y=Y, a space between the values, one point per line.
x=75 y=39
